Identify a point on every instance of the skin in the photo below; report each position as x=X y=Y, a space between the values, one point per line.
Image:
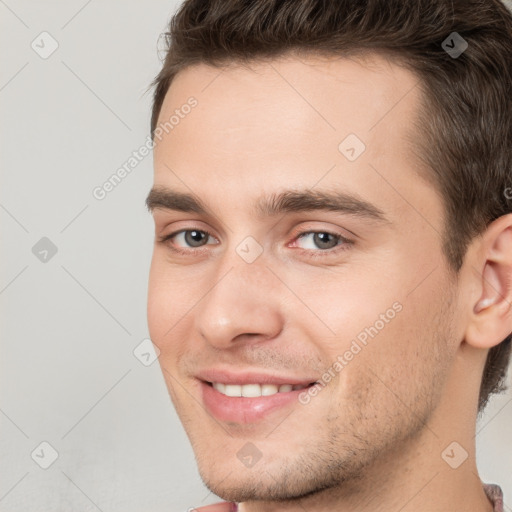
x=373 y=438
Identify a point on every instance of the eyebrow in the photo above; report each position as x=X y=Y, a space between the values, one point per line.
x=287 y=201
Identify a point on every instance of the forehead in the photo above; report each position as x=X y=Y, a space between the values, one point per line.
x=312 y=89
x=291 y=121
x=289 y=105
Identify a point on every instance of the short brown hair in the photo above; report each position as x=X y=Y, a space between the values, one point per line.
x=466 y=113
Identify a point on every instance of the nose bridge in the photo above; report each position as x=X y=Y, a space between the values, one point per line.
x=242 y=299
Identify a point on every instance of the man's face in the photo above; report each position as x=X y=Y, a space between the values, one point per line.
x=355 y=299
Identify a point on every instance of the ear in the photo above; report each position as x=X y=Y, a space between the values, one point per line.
x=491 y=315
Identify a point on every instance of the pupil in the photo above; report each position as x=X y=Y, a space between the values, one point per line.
x=194 y=236
x=322 y=238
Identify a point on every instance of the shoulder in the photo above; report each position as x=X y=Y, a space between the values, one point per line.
x=495 y=495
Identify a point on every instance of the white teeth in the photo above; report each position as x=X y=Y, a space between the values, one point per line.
x=255 y=390
x=233 y=390
x=251 y=390
x=269 y=389
x=220 y=387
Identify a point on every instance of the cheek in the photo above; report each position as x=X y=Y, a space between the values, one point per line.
x=170 y=308
x=408 y=360
x=341 y=306
x=377 y=324
x=163 y=305
x=156 y=300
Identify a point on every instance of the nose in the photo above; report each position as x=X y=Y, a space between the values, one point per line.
x=242 y=305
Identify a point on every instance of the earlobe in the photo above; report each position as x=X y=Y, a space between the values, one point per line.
x=491 y=319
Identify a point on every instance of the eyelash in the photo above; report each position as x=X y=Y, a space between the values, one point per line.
x=311 y=253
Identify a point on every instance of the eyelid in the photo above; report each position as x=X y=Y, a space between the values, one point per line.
x=335 y=231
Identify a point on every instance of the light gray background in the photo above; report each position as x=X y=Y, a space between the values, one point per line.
x=70 y=325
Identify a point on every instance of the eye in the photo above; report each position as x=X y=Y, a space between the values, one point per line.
x=187 y=238
x=322 y=240
x=318 y=243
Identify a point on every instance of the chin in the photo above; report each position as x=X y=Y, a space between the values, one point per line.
x=232 y=483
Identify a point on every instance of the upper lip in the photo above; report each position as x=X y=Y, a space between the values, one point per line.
x=250 y=377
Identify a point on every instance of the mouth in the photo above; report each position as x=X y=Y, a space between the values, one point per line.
x=250 y=398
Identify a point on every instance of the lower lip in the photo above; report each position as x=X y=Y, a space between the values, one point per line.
x=244 y=410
